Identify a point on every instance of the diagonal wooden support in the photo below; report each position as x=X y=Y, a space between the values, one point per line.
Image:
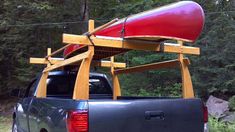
x=67 y=61
x=153 y=66
x=42 y=86
x=93 y=30
x=116 y=85
x=81 y=87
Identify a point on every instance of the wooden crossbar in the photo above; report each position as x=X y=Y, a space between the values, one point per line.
x=44 y=61
x=109 y=64
x=53 y=61
x=130 y=44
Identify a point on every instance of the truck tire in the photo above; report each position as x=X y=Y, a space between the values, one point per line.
x=14 y=126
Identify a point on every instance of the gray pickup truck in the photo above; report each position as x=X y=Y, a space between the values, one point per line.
x=58 y=112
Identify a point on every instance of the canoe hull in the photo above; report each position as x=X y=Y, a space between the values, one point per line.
x=178 y=21
x=181 y=21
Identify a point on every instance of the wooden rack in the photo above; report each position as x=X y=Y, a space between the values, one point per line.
x=84 y=61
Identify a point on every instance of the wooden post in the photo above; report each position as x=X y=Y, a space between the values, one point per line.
x=42 y=85
x=116 y=85
x=81 y=87
x=187 y=87
x=48 y=54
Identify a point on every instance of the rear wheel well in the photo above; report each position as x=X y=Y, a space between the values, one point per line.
x=43 y=130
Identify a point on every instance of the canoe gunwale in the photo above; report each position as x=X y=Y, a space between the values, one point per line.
x=155 y=37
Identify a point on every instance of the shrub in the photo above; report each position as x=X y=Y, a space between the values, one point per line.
x=216 y=126
x=232 y=103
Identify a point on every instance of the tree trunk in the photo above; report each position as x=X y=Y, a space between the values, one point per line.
x=84 y=13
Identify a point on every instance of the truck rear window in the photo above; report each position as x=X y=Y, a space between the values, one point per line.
x=63 y=85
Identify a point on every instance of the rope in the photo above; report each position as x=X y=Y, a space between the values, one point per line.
x=122 y=36
x=89 y=38
x=123 y=30
x=49 y=61
x=161 y=47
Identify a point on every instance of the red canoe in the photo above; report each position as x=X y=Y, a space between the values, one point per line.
x=180 y=21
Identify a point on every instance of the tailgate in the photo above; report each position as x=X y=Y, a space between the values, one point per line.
x=146 y=115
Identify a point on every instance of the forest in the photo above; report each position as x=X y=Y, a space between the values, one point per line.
x=28 y=27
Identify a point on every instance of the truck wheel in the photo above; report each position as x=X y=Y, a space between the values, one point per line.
x=14 y=127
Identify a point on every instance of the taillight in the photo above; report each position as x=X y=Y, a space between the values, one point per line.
x=77 y=121
x=205 y=114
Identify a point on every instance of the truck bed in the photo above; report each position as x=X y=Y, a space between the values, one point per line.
x=138 y=114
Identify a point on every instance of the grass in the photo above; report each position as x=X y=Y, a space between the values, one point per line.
x=5 y=123
x=216 y=126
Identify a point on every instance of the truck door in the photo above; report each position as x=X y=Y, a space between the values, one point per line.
x=23 y=106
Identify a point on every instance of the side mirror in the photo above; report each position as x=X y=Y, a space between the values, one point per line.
x=15 y=93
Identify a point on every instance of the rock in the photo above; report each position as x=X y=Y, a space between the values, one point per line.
x=217 y=107
x=230 y=118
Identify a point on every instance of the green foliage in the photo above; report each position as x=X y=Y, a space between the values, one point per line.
x=17 y=43
x=216 y=126
x=232 y=103
x=20 y=39
x=123 y=8
x=213 y=70
x=149 y=89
